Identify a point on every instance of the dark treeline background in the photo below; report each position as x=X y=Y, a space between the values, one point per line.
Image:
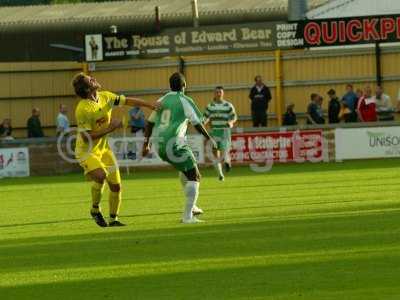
x=38 y=2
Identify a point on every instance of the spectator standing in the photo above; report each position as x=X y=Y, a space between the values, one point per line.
x=384 y=106
x=359 y=93
x=62 y=120
x=349 y=104
x=289 y=117
x=315 y=114
x=334 y=107
x=260 y=97
x=137 y=123
x=6 y=130
x=367 y=106
x=34 y=126
x=347 y=115
x=350 y=97
x=398 y=102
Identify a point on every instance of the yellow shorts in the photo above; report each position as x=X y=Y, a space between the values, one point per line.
x=106 y=162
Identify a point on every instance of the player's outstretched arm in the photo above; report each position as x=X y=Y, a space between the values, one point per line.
x=97 y=134
x=147 y=134
x=203 y=131
x=131 y=101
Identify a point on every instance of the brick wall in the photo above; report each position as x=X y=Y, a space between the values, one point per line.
x=44 y=157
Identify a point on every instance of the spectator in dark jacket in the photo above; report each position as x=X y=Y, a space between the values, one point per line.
x=34 y=126
x=315 y=114
x=260 y=96
x=334 y=107
x=289 y=118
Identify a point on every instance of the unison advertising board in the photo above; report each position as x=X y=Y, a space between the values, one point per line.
x=373 y=142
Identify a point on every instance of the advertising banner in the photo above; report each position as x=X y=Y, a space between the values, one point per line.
x=183 y=41
x=374 y=142
x=244 y=37
x=128 y=151
x=297 y=146
x=14 y=162
x=349 y=31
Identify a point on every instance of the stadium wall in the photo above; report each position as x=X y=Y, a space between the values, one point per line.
x=46 y=85
x=341 y=141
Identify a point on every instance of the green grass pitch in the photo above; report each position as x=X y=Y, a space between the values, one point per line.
x=304 y=231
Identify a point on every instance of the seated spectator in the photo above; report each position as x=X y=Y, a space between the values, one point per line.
x=315 y=114
x=384 y=106
x=34 y=126
x=137 y=123
x=62 y=120
x=6 y=130
x=367 y=106
x=334 y=107
x=289 y=118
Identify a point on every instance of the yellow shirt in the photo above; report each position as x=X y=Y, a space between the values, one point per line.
x=95 y=115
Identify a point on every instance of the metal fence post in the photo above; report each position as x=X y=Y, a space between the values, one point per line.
x=278 y=86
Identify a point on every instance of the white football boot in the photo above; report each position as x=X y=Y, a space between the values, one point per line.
x=197 y=211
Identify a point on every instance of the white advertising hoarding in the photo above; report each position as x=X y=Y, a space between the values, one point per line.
x=14 y=162
x=127 y=150
x=373 y=142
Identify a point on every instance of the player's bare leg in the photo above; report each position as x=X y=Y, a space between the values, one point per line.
x=98 y=176
x=218 y=164
x=227 y=161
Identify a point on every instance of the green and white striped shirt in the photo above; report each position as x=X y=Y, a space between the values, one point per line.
x=220 y=114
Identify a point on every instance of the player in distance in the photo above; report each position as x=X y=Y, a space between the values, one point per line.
x=222 y=116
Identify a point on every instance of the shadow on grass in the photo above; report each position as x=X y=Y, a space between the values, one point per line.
x=268 y=237
x=339 y=278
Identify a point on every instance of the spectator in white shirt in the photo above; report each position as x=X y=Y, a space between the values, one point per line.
x=384 y=106
x=62 y=120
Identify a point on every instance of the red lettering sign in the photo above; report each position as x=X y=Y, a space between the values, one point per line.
x=312 y=33
x=298 y=146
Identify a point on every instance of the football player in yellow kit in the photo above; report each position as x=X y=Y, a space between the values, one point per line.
x=93 y=116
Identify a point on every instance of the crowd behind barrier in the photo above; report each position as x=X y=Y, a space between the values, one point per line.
x=361 y=105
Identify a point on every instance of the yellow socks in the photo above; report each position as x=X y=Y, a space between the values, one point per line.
x=97 y=191
x=114 y=203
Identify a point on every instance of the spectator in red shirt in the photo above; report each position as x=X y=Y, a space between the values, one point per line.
x=366 y=106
